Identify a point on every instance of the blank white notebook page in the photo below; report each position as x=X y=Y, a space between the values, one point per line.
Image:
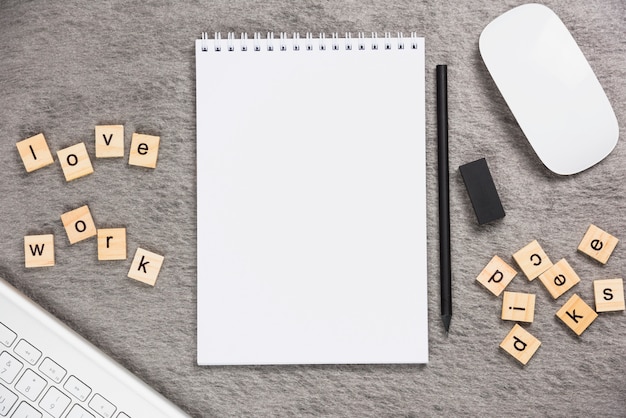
x=311 y=202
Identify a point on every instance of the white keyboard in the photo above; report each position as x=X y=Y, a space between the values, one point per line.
x=47 y=370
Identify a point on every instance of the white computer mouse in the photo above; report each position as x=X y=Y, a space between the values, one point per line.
x=550 y=88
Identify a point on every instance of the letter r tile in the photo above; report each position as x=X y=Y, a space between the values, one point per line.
x=145 y=266
x=496 y=276
x=576 y=314
x=521 y=344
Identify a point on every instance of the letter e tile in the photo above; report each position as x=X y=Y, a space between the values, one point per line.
x=559 y=278
x=598 y=244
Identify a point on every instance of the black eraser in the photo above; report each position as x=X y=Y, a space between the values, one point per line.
x=482 y=191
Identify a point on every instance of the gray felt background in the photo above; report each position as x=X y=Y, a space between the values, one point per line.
x=68 y=66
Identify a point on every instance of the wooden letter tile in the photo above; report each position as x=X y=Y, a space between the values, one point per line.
x=496 y=276
x=144 y=150
x=109 y=141
x=520 y=344
x=532 y=260
x=559 y=278
x=145 y=266
x=39 y=250
x=518 y=307
x=78 y=224
x=597 y=244
x=609 y=295
x=576 y=314
x=75 y=161
x=112 y=244
x=35 y=152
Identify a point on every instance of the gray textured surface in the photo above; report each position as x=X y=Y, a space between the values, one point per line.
x=68 y=66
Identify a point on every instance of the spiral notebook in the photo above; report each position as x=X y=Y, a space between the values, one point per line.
x=311 y=213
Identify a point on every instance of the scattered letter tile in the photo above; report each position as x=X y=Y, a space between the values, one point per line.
x=576 y=314
x=532 y=260
x=75 y=161
x=598 y=244
x=145 y=266
x=144 y=150
x=35 y=152
x=112 y=244
x=520 y=344
x=559 y=278
x=109 y=141
x=496 y=276
x=39 y=250
x=609 y=295
x=518 y=307
x=78 y=224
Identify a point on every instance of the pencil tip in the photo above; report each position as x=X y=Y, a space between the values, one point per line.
x=446 y=322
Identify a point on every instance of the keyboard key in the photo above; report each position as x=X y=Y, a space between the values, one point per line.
x=78 y=411
x=26 y=411
x=7 y=400
x=52 y=370
x=7 y=337
x=26 y=351
x=54 y=402
x=31 y=385
x=122 y=415
x=9 y=367
x=102 y=407
x=77 y=388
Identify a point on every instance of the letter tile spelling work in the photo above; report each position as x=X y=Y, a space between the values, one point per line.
x=518 y=307
x=75 y=161
x=35 y=153
x=521 y=344
x=112 y=244
x=39 y=250
x=146 y=266
x=532 y=260
x=598 y=244
x=496 y=276
x=559 y=278
x=78 y=223
x=609 y=295
x=576 y=314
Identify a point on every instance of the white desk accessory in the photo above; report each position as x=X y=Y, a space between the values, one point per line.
x=550 y=88
x=311 y=200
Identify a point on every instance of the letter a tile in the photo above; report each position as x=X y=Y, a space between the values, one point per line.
x=532 y=260
x=576 y=314
x=520 y=344
x=145 y=266
x=496 y=276
x=598 y=244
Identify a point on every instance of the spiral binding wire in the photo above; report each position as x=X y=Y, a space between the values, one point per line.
x=285 y=42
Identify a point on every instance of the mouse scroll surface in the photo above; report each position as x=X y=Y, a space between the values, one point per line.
x=550 y=88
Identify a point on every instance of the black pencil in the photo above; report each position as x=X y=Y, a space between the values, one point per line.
x=444 y=196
